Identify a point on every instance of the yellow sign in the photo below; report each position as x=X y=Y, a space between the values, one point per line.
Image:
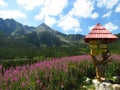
x=104 y=50
x=102 y=46
x=97 y=48
x=94 y=42
x=94 y=52
x=94 y=46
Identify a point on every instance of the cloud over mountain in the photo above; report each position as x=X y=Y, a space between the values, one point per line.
x=12 y=14
x=2 y=3
x=68 y=16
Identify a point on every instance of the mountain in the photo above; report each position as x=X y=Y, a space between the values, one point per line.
x=40 y=36
x=44 y=27
x=115 y=46
x=18 y=40
x=13 y=28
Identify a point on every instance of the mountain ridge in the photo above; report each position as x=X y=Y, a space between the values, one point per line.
x=39 y=36
x=26 y=41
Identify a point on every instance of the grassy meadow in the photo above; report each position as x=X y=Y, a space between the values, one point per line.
x=65 y=73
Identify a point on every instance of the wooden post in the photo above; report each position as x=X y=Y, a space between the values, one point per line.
x=97 y=49
x=98 y=38
x=100 y=67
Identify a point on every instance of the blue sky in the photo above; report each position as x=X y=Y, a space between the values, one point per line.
x=66 y=16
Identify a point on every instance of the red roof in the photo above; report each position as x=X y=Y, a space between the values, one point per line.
x=100 y=33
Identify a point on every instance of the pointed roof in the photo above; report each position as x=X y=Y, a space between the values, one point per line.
x=100 y=33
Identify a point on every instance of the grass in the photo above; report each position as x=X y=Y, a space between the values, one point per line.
x=66 y=73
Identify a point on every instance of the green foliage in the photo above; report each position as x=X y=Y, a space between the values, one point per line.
x=31 y=52
x=62 y=74
x=113 y=69
x=31 y=38
x=16 y=62
x=48 y=39
x=17 y=40
x=40 y=36
x=115 y=46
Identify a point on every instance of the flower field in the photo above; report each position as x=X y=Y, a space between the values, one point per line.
x=66 y=73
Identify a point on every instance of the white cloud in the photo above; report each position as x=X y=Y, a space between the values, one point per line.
x=117 y=8
x=49 y=21
x=51 y=8
x=11 y=14
x=110 y=26
x=2 y=3
x=77 y=30
x=83 y=8
x=30 y=4
x=54 y=7
x=108 y=14
x=69 y=23
x=95 y=15
x=91 y=27
x=108 y=4
x=40 y=16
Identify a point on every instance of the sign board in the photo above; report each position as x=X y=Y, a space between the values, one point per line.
x=97 y=48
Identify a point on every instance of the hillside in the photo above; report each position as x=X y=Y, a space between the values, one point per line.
x=18 y=40
x=115 y=46
x=40 y=36
x=13 y=28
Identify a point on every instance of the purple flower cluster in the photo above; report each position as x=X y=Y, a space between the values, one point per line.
x=37 y=75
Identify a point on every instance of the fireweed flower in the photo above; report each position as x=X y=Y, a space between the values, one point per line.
x=1 y=67
x=45 y=73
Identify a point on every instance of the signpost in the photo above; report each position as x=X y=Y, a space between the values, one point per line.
x=98 y=39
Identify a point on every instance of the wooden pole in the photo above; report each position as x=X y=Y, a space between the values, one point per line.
x=97 y=49
x=100 y=67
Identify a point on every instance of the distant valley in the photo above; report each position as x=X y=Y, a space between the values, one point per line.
x=15 y=37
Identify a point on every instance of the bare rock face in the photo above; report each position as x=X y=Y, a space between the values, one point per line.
x=116 y=86
x=105 y=85
x=102 y=85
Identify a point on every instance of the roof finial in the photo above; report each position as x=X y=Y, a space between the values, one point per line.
x=98 y=24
